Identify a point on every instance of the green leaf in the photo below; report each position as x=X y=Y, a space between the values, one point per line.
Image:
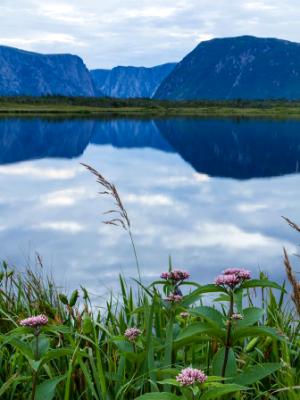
x=255 y=373
x=218 y=360
x=189 y=333
x=158 y=396
x=210 y=315
x=218 y=391
x=43 y=345
x=124 y=345
x=251 y=316
x=73 y=298
x=196 y=294
x=57 y=353
x=169 y=381
x=8 y=383
x=260 y=283
x=46 y=390
x=24 y=347
x=257 y=331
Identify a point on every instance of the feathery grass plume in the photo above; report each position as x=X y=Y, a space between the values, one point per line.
x=293 y=281
x=292 y=224
x=122 y=220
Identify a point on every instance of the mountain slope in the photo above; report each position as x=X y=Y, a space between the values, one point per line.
x=27 y=73
x=241 y=67
x=126 y=82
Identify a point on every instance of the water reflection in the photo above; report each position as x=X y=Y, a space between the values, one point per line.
x=168 y=173
x=240 y=149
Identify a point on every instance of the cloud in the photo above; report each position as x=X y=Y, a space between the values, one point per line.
x=38 y=172
x=60 y=226
x=43 y=39
x=112 y=33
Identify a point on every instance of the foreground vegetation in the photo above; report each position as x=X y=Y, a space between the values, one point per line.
x=84 y=106
x=246 y=342
x=235 y=338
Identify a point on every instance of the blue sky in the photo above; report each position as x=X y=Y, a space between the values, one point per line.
x=106 y=33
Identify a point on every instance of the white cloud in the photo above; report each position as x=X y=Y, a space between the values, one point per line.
x=64 y=198
x=147 y=33
x=38 y=172
x=228 y=236
x=60 y=226
x=44 y=38
x=149 y=200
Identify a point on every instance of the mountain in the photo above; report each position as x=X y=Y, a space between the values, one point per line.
x=220 y=148
x=129 y=133
x=126 y=82
x=244 y=67
x=29 y=139
x=33 y=74
x=235 y=149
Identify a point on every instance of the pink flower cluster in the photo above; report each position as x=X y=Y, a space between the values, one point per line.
x=237 y=317
x=176 y=276
x=132 y=333
x=184 y=314
x=34 y=322
x=232 y=277
x=190 y=376
x=174 y=298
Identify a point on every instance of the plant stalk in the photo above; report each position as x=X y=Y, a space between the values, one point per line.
x=228 y=335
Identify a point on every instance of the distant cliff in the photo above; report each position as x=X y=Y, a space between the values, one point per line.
x=33 y=74
x=244 y=67
x=126 y=82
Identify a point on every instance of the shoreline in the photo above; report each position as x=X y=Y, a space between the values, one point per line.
x=160 y=112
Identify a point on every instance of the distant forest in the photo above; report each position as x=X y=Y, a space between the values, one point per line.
x=145 y=103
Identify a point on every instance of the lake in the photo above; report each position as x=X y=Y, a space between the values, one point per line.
x=210 y=193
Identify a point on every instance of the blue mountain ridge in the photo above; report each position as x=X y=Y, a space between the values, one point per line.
x=244 y=67
x=33 y=74
x=130 y=82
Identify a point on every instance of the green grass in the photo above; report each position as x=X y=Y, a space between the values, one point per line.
x=146 y=107
x=83 y=353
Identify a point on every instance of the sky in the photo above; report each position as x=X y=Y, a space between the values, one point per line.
x=106 y=33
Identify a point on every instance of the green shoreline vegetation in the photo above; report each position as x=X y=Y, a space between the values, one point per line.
x=99 y=107
x=236 y=338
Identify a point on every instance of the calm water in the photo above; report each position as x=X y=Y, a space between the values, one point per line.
x=210 y=193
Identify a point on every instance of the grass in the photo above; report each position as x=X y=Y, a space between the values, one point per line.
x=146 y=107
x=244 y=335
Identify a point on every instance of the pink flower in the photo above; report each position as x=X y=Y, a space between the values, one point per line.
x=132 y=333
x=184 y=314
x=190 y=376
x=232 y=277
x=34 y=322
x=176 y=275
x=165 y=275
x=236 y=316
x=241 y=272
x=174 y=298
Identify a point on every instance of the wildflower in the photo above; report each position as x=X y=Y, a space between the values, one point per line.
x=35 y=321
x=240 y=272
x=176 y=275
x=237 y=317
x=174 y=298
x=164 y=275
x=184 y=314
x=232 y=277
x=132 y=333
x=190 y=376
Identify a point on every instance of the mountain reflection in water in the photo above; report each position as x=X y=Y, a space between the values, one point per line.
x=209 y=192
x=240 y=149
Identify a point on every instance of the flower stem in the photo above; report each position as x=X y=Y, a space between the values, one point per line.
x=36 y=357
x=228 y=335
